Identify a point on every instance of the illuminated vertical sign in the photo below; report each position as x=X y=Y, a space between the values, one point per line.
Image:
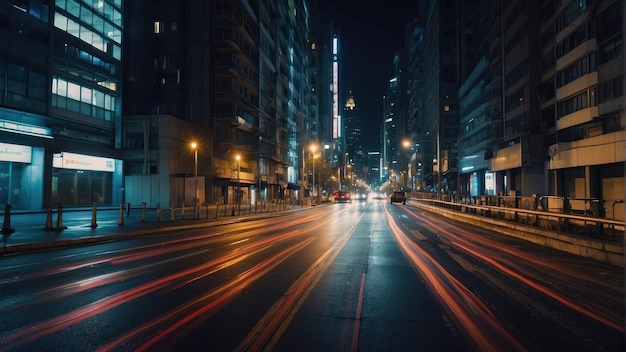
x=490 y=184
x=336 y=125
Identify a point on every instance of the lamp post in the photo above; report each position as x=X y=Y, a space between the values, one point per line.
x=439 y=189
x=313 y=149
x=238 y=184
x=301 y=193
x=345 y=170
x=433 y=151
x=406 y=144
x=236 y=196
x=194 y=145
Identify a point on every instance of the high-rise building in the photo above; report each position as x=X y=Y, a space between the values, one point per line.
x=518 y=158
x=166 y=102
x=354 y=149
x=586 y=152
x=411 y=109
x=374 y=169
x=60 y=103
x=331 y=126
x=541 y=108
x=231 y=76
x=480 y=97
x=389 y=137
x=440 y=101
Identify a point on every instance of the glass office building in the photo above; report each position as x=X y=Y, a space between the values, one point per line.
x=60 y=103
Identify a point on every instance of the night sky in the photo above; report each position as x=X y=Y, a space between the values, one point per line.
x=370 y=33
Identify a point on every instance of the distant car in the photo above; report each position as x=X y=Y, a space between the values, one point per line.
x=342 y=196
x=378 y=195
x=361 y=196
x=398 y=197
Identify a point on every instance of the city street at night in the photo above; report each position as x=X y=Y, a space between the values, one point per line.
x=326 y=175
x=359 y=276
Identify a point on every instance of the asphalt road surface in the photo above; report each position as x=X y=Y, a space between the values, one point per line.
x=361 y=276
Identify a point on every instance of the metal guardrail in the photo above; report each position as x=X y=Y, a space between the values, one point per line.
x=585 y=225
x=220 y=209
x=568 y=205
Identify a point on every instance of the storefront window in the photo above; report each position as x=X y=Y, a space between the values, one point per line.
x=10 y=183
x=78 y=187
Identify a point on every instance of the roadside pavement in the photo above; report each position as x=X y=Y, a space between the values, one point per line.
x=25 y=231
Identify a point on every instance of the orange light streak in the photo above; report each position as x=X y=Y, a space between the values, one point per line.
x=53 y=325
x=476 y=246
x=208 y=303
x=471 y=314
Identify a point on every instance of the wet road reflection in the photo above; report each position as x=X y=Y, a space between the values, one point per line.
x=243 y=286
x=505 y=266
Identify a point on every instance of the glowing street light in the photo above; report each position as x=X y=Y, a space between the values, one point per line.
x=194 y=146
x=238 y=158
x=313 y=150
x=406 y=144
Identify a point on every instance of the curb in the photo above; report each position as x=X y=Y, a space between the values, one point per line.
x=88 y=240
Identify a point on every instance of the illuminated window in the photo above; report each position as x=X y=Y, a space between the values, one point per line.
x=157 y=27
x=67 y=95
x=83 y=22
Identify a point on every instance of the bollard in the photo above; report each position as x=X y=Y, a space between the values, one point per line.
x=120 y=221
x=93 y=217
x=49 y=220
x=159 y=215
x=6 y=225
x=128 y=210
x=143 y=212
x=60 y=226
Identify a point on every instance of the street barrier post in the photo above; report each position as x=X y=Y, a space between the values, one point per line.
x=93 y=216
x=6 y=225
x=60 y=226
x=49 y=220
x=120 y=221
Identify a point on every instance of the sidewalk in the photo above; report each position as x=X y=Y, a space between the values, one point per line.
x=39 y=230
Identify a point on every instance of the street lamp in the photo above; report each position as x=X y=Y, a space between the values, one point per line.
x=238 y=158
x=406 y=144
x=313 y=149
x=194 y=145
x=304 y=177
x=430 y=164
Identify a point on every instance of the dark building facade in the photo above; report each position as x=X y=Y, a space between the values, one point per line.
x=230 y=76
x=440 y=100
x=540 y=101
x=480 y=97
